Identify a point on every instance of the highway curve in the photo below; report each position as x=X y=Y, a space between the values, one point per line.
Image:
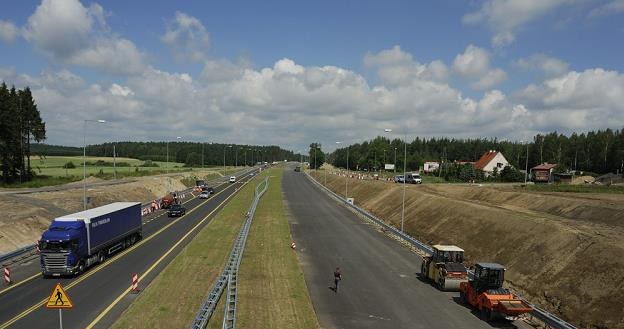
x=380 y=286
x=102 y=287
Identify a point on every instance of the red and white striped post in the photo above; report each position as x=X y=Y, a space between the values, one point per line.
x=135 y=283
x=7 y=275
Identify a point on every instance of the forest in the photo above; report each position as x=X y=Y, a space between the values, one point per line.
x=20 y=125
x=596 y=152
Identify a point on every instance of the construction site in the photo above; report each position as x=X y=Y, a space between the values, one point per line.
x=563 y=251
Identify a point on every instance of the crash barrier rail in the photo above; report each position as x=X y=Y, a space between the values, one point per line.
x=229 y=274
x=538 y=313
x=31 y=249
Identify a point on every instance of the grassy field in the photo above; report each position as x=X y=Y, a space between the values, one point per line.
x=271 y=289
x=50 y=171
x=589 y=188
x=206 y=254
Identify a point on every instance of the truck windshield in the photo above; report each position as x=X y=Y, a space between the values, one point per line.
x=58 y=245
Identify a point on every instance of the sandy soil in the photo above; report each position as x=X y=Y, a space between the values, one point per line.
x=26 y=216
x=563 y=251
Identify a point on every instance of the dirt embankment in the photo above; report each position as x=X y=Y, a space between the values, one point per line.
x=26 y=216
x=563 y=251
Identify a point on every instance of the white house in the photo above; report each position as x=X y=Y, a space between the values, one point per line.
x=491 y=160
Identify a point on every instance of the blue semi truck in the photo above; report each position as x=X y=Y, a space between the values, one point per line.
x=74 y=242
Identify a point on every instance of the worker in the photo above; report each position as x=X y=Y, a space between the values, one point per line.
x=337 y=278
x=153 y=205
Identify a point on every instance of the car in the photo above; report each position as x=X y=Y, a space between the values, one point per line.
x=398 y=179
x=204 y=195
x=232 y=179
x=413 y=178
x=176 y=210
x=208 y=189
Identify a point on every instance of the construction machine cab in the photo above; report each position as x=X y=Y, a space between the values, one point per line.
x=488 y=276
x=447 y=254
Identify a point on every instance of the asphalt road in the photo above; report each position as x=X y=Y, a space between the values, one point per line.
x=380 y=286
x=102 y=287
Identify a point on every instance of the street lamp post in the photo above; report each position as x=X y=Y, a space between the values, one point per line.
x=404 y=174
x=395 y=149
x=224 y=148
x=84 y=162
x=526 y=165
x=178 y=137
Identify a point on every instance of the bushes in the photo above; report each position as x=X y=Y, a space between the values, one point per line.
x=69 y=165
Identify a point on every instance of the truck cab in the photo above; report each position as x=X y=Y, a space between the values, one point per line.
x=62 y=247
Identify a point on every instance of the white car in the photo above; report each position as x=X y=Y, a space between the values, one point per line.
x=232 y=179
x=204 y=195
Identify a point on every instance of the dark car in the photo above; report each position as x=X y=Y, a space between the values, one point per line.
x=208 y=189
x=176 y=210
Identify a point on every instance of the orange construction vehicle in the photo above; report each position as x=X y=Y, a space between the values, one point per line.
x=486 y=294
x=167 y=201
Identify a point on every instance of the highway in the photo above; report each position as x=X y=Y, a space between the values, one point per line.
x=380 y=286
x=100 y=294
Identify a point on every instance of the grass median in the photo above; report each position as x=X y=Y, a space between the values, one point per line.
x=271 y=288
x=191 y=274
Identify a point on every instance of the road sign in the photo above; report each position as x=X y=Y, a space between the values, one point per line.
x=59 y=298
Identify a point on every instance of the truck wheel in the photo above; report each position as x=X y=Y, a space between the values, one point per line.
x=81 y=267
x=462 y=297
x=423 y=271
x=132 y=239
x=486 y=314
x=101 y=257
x=441 y=283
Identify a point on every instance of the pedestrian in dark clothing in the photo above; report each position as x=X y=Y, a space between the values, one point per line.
x=337 y=278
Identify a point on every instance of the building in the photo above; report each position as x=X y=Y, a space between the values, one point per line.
x=543 y=173
x=430 y=166
x=489 y=161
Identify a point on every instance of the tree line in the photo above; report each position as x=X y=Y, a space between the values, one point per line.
x=599 y=152
x=20 y=124
x=190 y=153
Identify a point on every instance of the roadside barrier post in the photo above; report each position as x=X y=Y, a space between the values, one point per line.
x=135 y=283
x=7 y=275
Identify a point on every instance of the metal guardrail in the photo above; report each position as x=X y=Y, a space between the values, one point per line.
x=229 y=273
x=538 y=313
x=32 y=247
x=17 y=253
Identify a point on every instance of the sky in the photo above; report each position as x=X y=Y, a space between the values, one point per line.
x=290 y=73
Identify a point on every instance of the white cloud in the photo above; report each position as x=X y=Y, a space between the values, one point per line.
x=70 y=33
x=8 y=31
x=187 y=37
x=474 y=64
x=290 y=104
x=505 y=17
x=118 y=90
x=548 y=65
x=611 y=8
x=586 y=100
x=490 y=79
x=396 y=67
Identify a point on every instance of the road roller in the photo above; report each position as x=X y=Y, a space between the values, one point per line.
x=445 y=267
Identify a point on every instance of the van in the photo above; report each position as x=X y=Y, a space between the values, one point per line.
x=413 y=178
x=232 y=179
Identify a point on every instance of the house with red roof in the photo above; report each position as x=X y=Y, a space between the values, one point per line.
x=490 y=160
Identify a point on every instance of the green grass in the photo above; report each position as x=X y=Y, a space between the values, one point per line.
x=271 y=288
x=49 y=170
x=191 y=275
x=573 y=188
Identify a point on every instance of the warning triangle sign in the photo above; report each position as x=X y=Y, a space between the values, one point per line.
x=59 y=298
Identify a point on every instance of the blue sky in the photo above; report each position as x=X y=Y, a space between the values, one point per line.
x=295 y=72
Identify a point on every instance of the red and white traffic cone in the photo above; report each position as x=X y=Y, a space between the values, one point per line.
x=135 y=284
x=293 y=245
x=7 y=276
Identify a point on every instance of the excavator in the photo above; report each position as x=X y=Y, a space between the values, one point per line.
x=486 y=294
x=445 y=267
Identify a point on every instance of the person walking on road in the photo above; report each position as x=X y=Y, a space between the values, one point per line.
x=337 y=278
